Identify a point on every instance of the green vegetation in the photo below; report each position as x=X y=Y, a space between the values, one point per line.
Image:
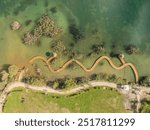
x=145 y=81
x=145 y=107
x=4 y=76
x=33 y=80
x=93 y=100
x=12 y=70
x=105 y=77
x=62 y=83
x=2 y=85
x=82 y=80
x=55 y=85
x=100 y=76
x=69 y=83
x=3 y=79
x=8 y=75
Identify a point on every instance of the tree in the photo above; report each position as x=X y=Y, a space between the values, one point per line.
x=33 y=80
x=94 y=77
x=4 y=75
x=82 y=80
x=13 y=70
x=112 y=78
x=55 y=85
x=145 y=107
x=145 y=81
x=70 y=83
x=100 y=76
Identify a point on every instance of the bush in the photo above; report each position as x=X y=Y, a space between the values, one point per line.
x=145 y=107
x=4 y=76
x=69 y=83
x=145 y=81
x=112 y=78
x=32 y=80
x=13 y=70
x=2 y=85
x=95 y=77
x=82 y=80
x=55 y=85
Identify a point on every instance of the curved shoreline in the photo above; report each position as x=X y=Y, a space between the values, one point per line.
x=46 y=89
x=61 y=68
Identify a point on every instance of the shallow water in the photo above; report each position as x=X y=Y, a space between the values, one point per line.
x=122 y=17
x=118 y=22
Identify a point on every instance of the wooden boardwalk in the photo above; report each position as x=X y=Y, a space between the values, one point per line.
x=61 y=68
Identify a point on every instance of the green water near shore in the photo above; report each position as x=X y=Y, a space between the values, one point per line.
x=117 y=22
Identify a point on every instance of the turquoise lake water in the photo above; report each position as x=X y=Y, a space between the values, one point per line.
x=118 y=18
x=120 y=22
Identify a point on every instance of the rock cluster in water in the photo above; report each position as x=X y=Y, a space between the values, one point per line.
x=44 y=27
x=58 y=46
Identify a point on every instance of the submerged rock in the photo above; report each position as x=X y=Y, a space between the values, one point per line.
x=53 y=10
x=28 y=22
x=15 y=25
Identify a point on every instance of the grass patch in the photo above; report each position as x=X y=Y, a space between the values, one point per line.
x=93 y=100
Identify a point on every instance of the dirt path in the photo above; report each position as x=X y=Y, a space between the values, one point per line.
x=46 y=89
x=47 y=61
